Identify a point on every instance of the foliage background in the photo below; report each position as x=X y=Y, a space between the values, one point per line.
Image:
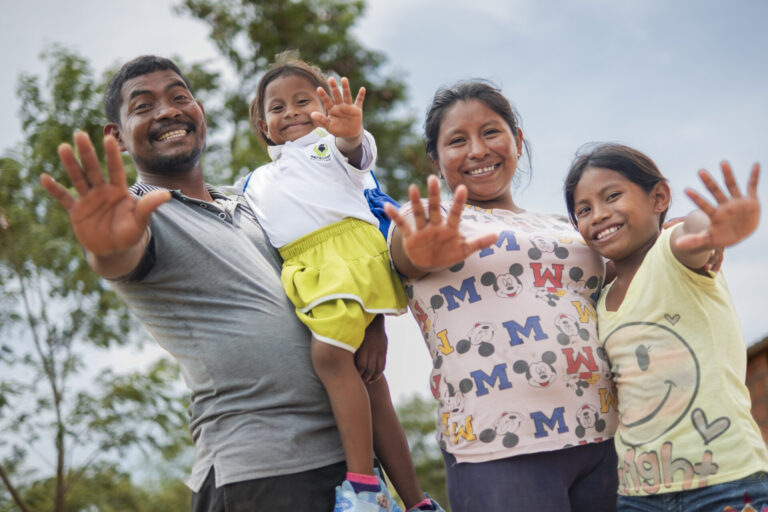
x=682 y=81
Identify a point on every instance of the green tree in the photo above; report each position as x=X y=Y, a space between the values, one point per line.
x=417 y=416
x=53 y=309
x=105 y=488
x=249 y=33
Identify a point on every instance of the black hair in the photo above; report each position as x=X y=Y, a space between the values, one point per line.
x=286 y=63
x=113 y=98
x=630 y=163
x=480 y=90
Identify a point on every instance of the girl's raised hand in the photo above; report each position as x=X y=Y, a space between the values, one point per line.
x=732 y=219
x=434 y=241
x=343 y=117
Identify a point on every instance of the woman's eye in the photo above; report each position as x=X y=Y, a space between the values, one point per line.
x=455 y=141
x=613 y=196
x=276 y=108
x=492 y=131
x=582 y=211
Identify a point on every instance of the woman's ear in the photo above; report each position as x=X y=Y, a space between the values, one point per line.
x=661 y=196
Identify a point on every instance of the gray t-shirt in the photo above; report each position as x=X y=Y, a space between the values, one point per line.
x=208 y=290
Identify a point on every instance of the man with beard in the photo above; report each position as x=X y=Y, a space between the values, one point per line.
x=196 y=268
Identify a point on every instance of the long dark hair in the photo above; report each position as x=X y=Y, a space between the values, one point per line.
x=629 y=162
x=467 y=90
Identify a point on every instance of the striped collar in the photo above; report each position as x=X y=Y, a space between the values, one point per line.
x=140 y=189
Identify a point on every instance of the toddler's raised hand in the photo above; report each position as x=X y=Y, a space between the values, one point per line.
x=733 y=218
x=343 y=117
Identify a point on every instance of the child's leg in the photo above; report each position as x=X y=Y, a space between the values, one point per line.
x=349 y=400
x=391 y=444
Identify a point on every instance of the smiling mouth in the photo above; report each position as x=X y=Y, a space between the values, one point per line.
x=293 y=125
x=483 y=170
x=172 y=135
x=608 y=231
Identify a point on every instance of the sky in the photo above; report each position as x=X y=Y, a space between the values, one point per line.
x=684 y=82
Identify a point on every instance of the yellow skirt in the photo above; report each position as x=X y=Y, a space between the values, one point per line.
x=339 y=278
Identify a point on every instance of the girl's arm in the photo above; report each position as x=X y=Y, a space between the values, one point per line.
x=733 y=218
x=343 y=119
x=433 y=242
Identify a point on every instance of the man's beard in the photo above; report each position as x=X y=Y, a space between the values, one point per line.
x=170 y=165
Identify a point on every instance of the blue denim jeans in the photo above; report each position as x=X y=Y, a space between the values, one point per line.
x=752 y=490
x=580 y=478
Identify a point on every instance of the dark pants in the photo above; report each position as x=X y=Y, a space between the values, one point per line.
x=581 y=478
x=310 y=491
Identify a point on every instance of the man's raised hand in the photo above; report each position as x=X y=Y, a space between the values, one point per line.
x=106 y=219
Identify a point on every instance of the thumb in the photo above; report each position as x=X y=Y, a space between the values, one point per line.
x=694 y=241
x=149 y=203
x=319 y=119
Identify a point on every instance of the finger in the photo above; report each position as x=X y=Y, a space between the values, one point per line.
x=375 y=369
x=716 y=260
x=320 y=119
x=381 y=365
x=433 y=201
x=694 y=241
x=114 y=162
x=325 y=99
x=148 y=203
x=74 y=171
x=480 y=242
x=419 y=217
x=360 y=98
x=346 y=92
x=754 y=177
x=713 y=188
x=730 y=179
x=58 y=192
x=702 y=203
x=361 y=363
x=399 y=220
x=459 y=199
x=335 y=94
x=89 y=159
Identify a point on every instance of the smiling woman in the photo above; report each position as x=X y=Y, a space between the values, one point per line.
x=477 y=148
x=526 y=405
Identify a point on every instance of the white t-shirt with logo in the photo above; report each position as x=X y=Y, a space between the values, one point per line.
x=309 y=185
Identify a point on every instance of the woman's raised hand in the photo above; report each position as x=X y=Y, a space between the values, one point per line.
x=433 y=241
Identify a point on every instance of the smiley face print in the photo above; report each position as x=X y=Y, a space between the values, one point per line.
x=657 y=375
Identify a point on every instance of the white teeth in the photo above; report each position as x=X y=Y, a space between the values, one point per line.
x=170 y=135
x=607 y=232
x=483 y=170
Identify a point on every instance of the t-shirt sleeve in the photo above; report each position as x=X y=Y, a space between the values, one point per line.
x=367 y=162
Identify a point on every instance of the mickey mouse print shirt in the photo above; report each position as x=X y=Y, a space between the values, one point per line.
x=517 y=364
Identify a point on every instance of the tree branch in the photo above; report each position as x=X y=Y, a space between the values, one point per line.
x=14 y=493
